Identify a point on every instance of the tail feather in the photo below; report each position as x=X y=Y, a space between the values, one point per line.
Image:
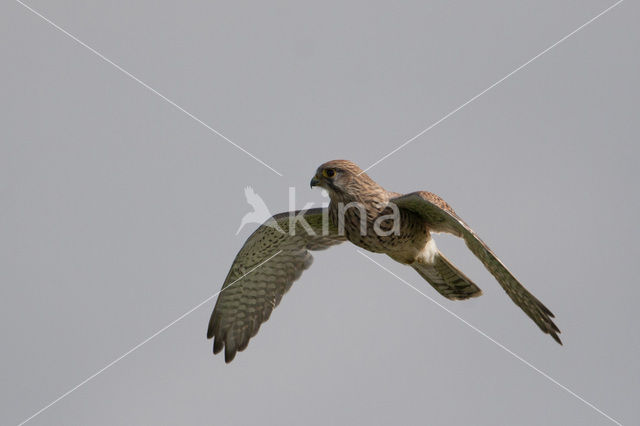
x=448 y=280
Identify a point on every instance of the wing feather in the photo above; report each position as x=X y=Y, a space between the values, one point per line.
x=440 y=217
x=246 y=301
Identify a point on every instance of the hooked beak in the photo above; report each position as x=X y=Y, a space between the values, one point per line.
x=314 y=182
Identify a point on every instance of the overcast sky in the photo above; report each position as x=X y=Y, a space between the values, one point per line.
x=118 y=211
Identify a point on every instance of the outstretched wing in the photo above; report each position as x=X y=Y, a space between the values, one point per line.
x=440 y=217
x=270 y=261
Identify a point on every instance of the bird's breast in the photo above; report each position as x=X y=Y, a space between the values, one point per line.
x=400 y=234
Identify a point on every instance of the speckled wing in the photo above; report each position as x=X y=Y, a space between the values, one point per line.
x=440 y=217
x=264 y=269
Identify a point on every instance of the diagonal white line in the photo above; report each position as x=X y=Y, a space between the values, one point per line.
x=139 y=345
x=500 y=345
x=145 y=85
x=493 y=85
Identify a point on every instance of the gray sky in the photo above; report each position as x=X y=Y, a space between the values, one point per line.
x=119 y=212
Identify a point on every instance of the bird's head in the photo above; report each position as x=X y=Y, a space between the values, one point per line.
x=342 y=179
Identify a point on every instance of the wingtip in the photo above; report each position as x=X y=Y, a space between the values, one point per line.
x=217 y=346
x=210 y=329
x=229 y=355
x=556 y=338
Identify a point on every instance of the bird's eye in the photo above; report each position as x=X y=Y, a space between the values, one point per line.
x=328 y=173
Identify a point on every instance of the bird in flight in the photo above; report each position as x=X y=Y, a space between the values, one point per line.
x=372 y=218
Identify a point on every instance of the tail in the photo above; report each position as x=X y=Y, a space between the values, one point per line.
x=446 y=278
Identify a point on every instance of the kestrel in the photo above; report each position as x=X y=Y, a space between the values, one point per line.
x=377 y=220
